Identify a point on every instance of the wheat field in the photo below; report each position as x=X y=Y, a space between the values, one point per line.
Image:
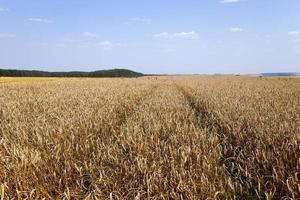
x=150 y=138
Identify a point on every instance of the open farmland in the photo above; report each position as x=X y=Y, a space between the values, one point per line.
x=150 y=138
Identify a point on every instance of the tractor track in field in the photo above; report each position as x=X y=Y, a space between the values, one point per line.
x=124 y=116
x=121 y=119
x=230 y=158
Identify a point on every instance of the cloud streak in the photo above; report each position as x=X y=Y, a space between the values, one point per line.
x=4 y=9
x=230 y=1
x=40 y=20
x=179 y=35
x=107 y=45
x=294 y=33
x=89 y=34
x=236 y=29
x=138 y=20
x=142 y=20
x=7 y=35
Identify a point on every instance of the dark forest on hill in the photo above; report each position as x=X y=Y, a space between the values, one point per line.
x=99 y=73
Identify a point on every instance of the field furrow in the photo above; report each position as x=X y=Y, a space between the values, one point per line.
x=229 y=157
x=51 y=132
x=150 y=138
x=254 y=155
x=162 y=154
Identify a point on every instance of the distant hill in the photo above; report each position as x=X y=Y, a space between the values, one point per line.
x=281 y=74
x=99 y=73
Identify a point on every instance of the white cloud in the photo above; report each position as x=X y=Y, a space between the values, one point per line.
x=106 y=45
x=60 y=45
x=40 y=20
x=189 y=35
x=296 y=41
x=294 y=36
x=4 y=10
x=7 y=35
x=89 y=34
x=230 y=1
x=236 y=29
x=182 y=35
x=138 y=19
x=162 y=35
x=294 y=33
x=44 y=44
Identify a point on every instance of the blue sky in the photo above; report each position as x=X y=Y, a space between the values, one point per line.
x=151 y=36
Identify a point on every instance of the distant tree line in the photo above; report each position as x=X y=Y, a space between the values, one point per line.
x=100 y=73
x=281 y=74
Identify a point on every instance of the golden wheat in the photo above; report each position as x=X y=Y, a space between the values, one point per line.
x=150 y=138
